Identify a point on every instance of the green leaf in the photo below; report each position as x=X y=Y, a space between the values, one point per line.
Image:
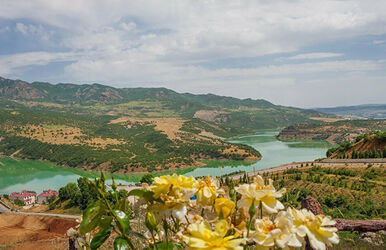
x=123 y=219
x=91 y=217
x=105 y=222
x=124 y=205
x=139 y=235
x=99 y=238
x=120 y=243
x=146 y=194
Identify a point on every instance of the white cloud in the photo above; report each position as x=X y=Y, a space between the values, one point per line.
x=379 y=41
x=308 y=56
x=14 y=62
x=128 y=26
x=154 y=42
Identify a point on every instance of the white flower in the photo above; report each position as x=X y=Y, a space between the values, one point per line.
x=318 y=228
x=266 y=194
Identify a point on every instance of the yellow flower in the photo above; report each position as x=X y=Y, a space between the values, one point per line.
x=201 y=236
x=174 y=184
x=265 y=233
x=318 y=228
x=224 y=207
x=175 y=191
x=206 y=191
x=258 y=191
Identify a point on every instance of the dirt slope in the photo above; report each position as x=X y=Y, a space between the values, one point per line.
x=33 y=232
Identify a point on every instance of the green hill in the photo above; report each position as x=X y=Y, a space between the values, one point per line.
x=98 y=127
x=243 y=116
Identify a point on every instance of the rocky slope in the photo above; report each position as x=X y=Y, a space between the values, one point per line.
x=334 y=132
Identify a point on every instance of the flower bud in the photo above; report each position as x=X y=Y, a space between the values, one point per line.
x=232 y=194
x=150 y=221
x=114 y=185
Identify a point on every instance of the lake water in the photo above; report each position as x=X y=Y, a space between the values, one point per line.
x=274 y=153
x=16 y=175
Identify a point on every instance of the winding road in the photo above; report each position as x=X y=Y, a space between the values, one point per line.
x=5 y=209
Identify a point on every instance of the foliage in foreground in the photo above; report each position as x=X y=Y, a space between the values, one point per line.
x=184 y=212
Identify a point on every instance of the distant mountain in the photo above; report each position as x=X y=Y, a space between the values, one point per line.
x=374 y=111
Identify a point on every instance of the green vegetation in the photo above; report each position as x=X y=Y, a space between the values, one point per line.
x=147 y=178
x=71 y=125
x=18 y=202
x=344 y=192
x=142 y=146
x=81 y=195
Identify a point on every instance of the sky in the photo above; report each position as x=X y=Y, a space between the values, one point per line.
x=303 y=53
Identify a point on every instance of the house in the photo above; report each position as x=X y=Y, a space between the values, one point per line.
x=28 y=197
x=43 y=197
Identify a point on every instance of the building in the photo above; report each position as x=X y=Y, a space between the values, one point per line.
x=28 y=197
x=43 y=197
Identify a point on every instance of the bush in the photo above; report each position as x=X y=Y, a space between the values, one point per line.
x=147 y=178
x=19 y=202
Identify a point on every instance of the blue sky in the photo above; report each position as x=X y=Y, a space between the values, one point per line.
x=298 y=53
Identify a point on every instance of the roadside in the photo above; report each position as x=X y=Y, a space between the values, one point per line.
x=326 y=162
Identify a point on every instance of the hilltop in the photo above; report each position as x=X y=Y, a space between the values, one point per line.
x=333 y=132
x=97 y=127
x=372 y=145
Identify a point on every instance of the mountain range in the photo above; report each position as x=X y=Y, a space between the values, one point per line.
x=374 y=111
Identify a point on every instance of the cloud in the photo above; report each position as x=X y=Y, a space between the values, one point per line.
x=308 y=56
x=379 y=42
x=167 y=43
x=14 y=62
x=128 y=26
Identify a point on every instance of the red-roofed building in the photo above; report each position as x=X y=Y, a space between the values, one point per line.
x=43 y=197
x=28 y=197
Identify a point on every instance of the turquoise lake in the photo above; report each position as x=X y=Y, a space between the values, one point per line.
x=16 y=175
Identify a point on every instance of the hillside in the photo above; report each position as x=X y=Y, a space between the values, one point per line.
x=344 y=191
x=374 y=111
x=98 y=127
x=333 y=132
x=234 y=116
x=371 y=145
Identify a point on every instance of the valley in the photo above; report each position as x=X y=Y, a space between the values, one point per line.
x=101 y=128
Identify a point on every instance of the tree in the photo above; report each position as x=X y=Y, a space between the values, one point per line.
x=68 y=192
x=147 y=178
x=87 y=195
